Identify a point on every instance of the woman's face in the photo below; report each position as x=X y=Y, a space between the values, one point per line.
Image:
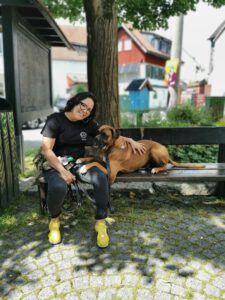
x=82 y=110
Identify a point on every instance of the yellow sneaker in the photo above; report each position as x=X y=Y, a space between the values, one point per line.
x=54 y=235
x=102 y=236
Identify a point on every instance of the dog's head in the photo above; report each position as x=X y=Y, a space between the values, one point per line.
x=106 y=137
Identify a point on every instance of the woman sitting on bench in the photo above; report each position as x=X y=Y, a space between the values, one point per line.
x=66 y=134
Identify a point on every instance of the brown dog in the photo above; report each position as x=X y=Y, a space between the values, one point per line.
x=123 y=159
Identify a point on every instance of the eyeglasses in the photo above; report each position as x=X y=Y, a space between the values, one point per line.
x=85 y=108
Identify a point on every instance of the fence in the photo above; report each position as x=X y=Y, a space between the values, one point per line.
x=8 y=160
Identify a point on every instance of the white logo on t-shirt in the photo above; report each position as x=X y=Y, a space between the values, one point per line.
x=83 y=136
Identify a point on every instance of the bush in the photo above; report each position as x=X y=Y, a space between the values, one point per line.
x=194 y=153
x=191 y=115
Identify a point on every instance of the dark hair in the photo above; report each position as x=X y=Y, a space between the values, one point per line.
x=76 y=99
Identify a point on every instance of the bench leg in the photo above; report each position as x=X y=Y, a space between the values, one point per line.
x=220 y=189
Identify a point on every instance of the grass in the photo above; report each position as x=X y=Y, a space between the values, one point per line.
x=29 y=165
x=20 y=213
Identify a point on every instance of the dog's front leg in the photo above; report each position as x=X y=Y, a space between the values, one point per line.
x=85 y=168
x=83 y=159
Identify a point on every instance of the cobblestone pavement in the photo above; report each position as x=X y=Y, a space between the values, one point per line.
x=162 y=247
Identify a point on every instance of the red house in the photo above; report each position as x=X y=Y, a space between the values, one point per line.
x=143 y=54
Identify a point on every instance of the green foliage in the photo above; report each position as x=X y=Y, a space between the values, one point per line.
x=190 y=114
x=143 y=14
x=216 y=106
x=194 y=153
x=181 y=116
x=221 y=122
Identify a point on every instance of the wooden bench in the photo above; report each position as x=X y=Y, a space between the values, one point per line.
x=214 y=172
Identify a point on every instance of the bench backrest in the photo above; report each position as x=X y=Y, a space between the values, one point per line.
x=178 y=136
x=181 y=136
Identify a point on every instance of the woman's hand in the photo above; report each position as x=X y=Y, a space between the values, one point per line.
x=137 y=147
x=67 y=176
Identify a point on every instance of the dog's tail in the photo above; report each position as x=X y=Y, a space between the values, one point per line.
x=186 y=165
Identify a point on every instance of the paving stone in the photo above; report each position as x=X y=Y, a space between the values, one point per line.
x=65 y=274
x=143 y=294
x=96 y=281
x=211 y=290
x=55 y=257
x=88 y=295
x=14 y=294
x=130 y=279
x=201 y=275
x=46 y=293
x=63 y=288
x=35 y=275
x=178 y=290
x=194 y=284
x=72 y=296
x=81 y=282
x=146 y=282
x=162 y=296
x=107 y=294
x=125 y=293
x=49 y=280
x=163 y=286
x=30 y=297
x=198 y=296
x=42 y=262
x=219 y=282
x=50 y=269
x=111 y=280
x=186 y=271
x=30 y=286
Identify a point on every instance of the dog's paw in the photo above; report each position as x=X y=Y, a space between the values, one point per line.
x=154 y=171
x=83 y=170
x=78 y=161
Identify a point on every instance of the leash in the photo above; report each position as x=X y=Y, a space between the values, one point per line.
x=106 y=158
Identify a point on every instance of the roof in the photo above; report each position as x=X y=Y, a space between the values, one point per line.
x=142 y=42
x=139 y=84
x=77 y=36
x=39 y=18
x=217 y=33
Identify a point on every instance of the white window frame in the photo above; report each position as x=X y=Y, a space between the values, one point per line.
x=120 y=48
x=127 y=45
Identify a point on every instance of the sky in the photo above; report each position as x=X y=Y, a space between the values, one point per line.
x=198 y=26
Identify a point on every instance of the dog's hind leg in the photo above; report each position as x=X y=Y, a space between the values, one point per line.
x=158 y=169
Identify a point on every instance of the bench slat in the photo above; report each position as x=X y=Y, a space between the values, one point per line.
x=212 y=173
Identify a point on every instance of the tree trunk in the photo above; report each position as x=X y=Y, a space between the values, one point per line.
x=101 y=18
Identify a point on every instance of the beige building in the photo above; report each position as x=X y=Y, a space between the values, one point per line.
x=69 y=67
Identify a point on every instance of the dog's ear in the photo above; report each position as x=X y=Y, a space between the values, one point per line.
x=115 y=134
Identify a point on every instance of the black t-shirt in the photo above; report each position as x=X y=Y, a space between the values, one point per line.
x=71 y=137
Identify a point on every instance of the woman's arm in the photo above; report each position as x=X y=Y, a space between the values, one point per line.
x=137 y=147
x=46 y=149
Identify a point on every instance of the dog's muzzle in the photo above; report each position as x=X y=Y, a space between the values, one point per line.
x=99 y=140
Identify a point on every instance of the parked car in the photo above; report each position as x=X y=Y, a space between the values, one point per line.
x=61 y=103
x=33 y=124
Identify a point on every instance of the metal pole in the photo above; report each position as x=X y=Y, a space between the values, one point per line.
x=174 y=91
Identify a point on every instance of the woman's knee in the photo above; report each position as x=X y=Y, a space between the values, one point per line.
x=58 y=188
x=100 y=178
